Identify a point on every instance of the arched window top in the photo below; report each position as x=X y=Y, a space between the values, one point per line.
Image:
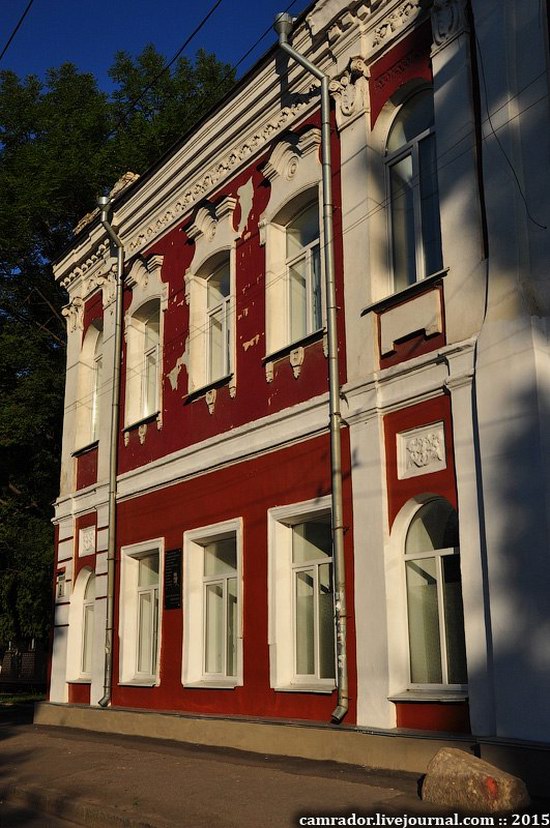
x=149 y=312
x=434 y=526
x=303 y=228
x=415 y=117
x=89 y=591
x=219 y=283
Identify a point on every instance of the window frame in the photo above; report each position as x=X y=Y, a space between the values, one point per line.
x=306 y=254
x=129 y=609
x=75 y=643
x=194 y=606
x=88 y=616
x=437 y=555
x=281 y=598
x=88 y=404
x=226 y=307
x=391 y=159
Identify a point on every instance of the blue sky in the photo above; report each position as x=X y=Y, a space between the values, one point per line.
x=89 y=32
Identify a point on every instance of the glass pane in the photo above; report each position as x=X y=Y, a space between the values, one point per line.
x=216 y=353
x=402 y=223
x=298 y=299
x=414 y=117
x=145 y=632
x=152 y=331
x=148 y=570
x=311 y=541
x=435 y=526
x=424 y=643
x=302 y=230
x=98 y=371
x=218 y=285
x=305 y=631
x=429 y=200
x=231 y=668
x=326 y=622
x=317 y=307
x=89 y=592
x=214 y=621
x=454 y=620
x=88 y=638
x=151 y=369
x=220 y=557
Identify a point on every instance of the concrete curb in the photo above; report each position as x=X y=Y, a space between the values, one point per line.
x=82 y=812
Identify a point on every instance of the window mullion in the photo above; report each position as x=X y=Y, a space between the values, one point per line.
x=441 y=614
x=417 y=212
x=317 y=647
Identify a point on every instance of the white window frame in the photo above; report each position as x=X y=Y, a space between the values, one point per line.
x=88 y=617
x=194 y=605
x=225 y=306
x=129 y=612
x=90 y=394
x=306 y=254
x=437 y=555
x=281 y=634
x=412 y=150
x=75 y=643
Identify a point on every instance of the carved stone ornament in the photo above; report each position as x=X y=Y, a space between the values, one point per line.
x=288 y=153
x=74 y=314
x=296 y=358
x=126 y=437
x=95 y=259
x=351 y=91
x=421 y=451
x=217 y=173
x=269 y=371
x=86 y=541
x=448 y=21
x=142 y=431
x=403 y=14
x=210 y=398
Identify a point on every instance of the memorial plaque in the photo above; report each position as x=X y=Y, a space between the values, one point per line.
x=172 y=579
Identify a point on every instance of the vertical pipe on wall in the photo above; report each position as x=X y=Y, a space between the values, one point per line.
x=283 y=27
x=104 y=204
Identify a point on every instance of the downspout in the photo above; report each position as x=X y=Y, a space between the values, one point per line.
x=283 y=26
x=104 y=203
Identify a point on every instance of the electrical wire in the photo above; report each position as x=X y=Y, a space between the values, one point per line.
x=17 y=27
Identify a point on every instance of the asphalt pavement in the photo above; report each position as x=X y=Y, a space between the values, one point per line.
x=103 y=780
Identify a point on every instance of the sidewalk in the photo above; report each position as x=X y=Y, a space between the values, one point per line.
x=102 y=780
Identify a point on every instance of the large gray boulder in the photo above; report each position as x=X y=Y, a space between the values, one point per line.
x=456 y=779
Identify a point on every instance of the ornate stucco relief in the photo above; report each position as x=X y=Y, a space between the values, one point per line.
x=448 y=21
x=421 y=451
x=351 y=91
x=74 y=314
x=204 y=185
x=396 y=20
x=86 y=541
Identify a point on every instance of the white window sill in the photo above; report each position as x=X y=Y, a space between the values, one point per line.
x=306 y=688
x=404 y=293
x=85 y=448
x=147 y=419
x=83 y=680
x=284 y=350
x=436 y=694
x=213 y=684
x=145 y=682
x=201 y=390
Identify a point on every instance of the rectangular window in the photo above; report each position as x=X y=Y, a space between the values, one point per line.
x=140 y=612
x=212 y=647
x=301 y=597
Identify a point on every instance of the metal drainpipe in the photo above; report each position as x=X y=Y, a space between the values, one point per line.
x=104 y=203
x=283 y=26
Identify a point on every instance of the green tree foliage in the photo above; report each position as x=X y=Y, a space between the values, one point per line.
x=62 y=142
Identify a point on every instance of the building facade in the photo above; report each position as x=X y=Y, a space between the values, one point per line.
x=223 y=573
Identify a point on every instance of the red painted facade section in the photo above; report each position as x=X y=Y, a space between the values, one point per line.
x=86 y=468
x=406 y=61
x=417 y=343
x=446 y=717
x=246 y=490
x=442 y=482
x=79 y=693
x=186 y=419
x=93 y=310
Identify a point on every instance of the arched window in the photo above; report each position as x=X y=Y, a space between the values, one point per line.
x=303 y=272
x=143 y=362
x=218 y=322
x=88 y=626
x=90 y=391
x=434 y=597
x=97 y=373
x=413 y=192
